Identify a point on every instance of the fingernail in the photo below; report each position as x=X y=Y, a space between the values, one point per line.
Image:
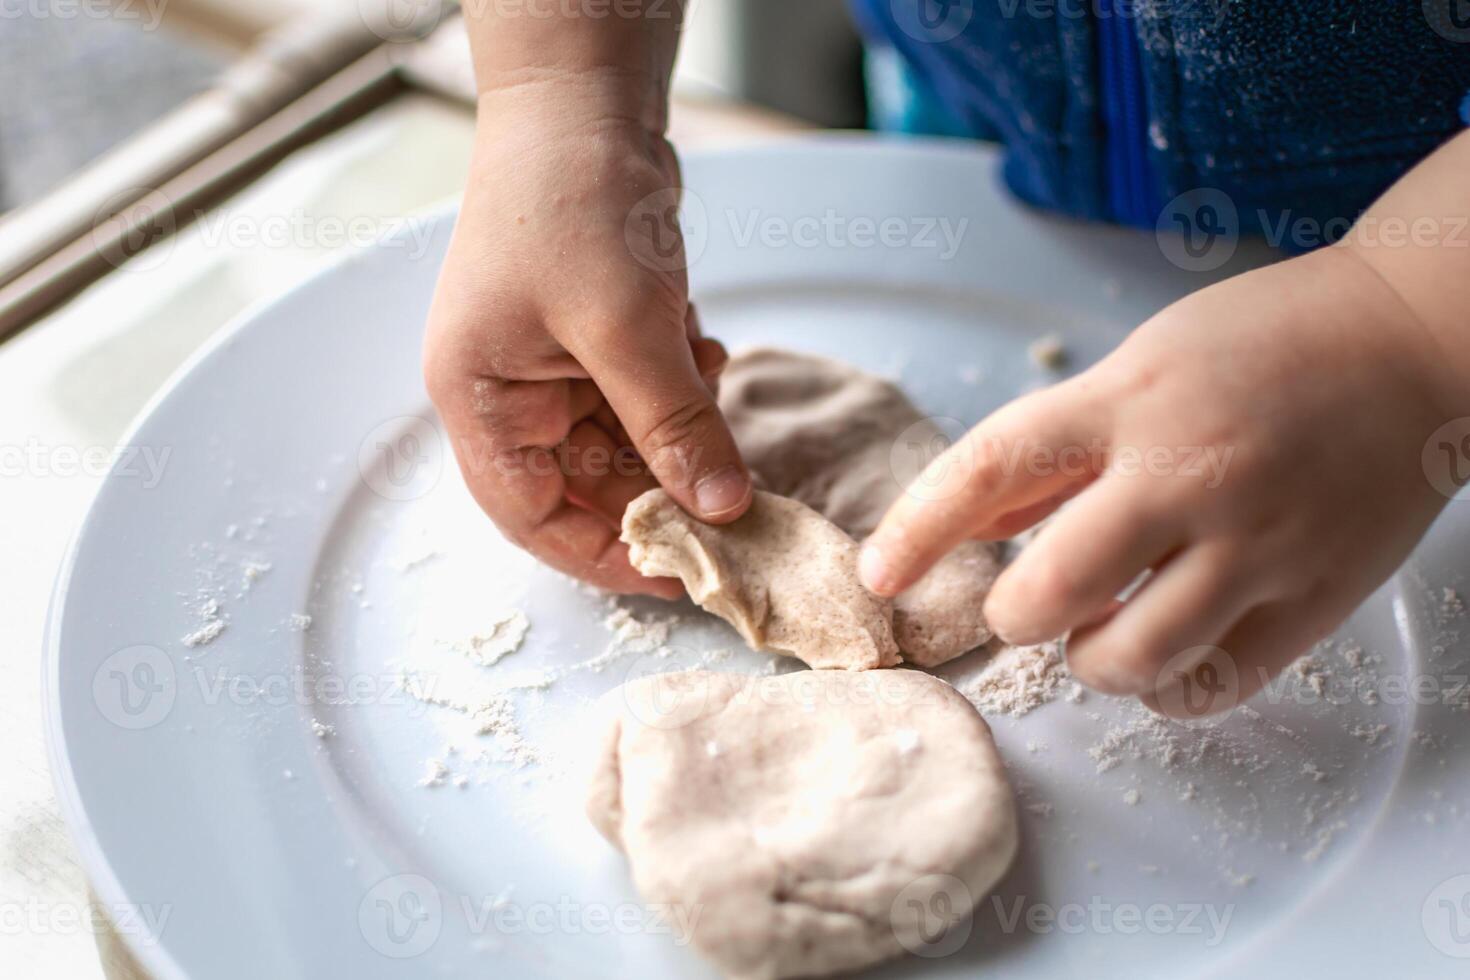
x=722 y=493
x=873 y=570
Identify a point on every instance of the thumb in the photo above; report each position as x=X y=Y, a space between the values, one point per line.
x=654 y=385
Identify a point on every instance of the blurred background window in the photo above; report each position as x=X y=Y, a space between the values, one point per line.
x=80 y=76
x=76 y=82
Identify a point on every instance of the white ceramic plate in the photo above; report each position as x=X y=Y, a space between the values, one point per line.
x=233 y=840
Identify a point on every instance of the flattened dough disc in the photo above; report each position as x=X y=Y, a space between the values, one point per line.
x=801 y=822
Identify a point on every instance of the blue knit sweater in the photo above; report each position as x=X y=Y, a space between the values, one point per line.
x=1298 y=110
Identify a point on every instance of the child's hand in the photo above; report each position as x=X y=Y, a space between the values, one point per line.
x=559 y=340
x=1256 y=444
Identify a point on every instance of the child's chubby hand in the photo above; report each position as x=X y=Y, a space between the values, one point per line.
x=561 y=351
x=1257 y=445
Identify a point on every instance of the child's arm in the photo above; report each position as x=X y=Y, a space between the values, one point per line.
x=1258 y=443
x=1417 y=237
x=561 y=330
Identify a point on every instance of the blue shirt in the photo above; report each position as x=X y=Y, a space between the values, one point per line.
x=1300 y=112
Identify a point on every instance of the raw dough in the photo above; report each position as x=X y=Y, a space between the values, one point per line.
x=783 y=575
x=825 y=433
x=801 y=822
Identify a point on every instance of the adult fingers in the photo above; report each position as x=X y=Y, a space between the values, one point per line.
x=991 y=472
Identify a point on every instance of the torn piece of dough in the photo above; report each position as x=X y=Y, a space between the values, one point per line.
x=938 y=618
x=837 y=439
x=783 y=575
x=801 y=824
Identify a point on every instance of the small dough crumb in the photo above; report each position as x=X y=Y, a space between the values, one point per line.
x=1017 y=680
x=502 y=636
x=1048 y=352
x=435 y=774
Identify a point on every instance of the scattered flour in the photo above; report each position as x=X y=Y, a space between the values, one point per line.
x=634 y=635
x=211 y=625
x=1238 y=880
x=502 y=637
x=408 y=562
x=1370 y=734
x=251 y=572
x=492 y=714
x=1312 y=673
x=1324 y=840
x=435 y=774
x=1017 y=680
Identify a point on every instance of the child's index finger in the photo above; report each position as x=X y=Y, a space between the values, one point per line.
x=1010 y=461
